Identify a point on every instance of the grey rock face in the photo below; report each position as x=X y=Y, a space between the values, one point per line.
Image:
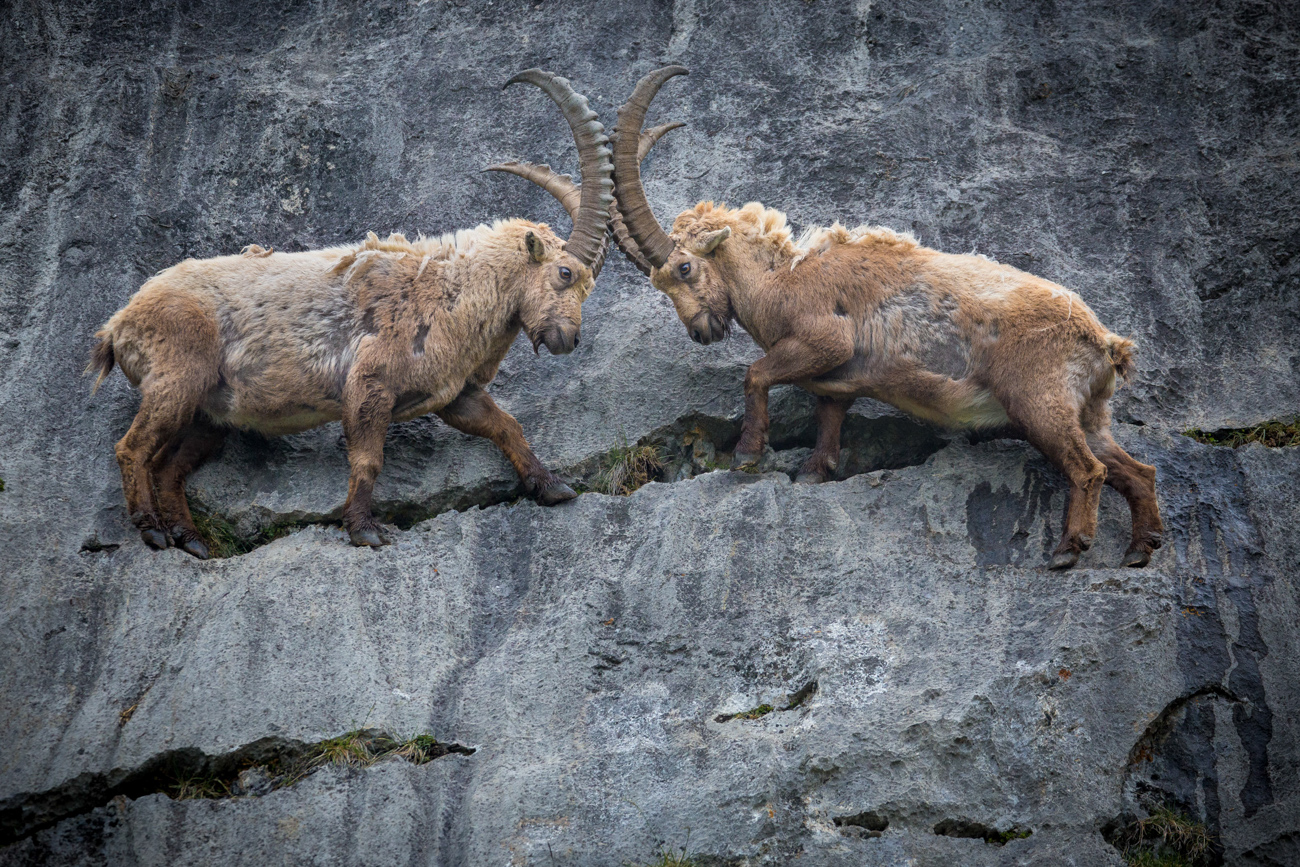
x=1142 y=155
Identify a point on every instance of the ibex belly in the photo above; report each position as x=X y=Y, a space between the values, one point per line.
x=285 y=361
x=911 y=352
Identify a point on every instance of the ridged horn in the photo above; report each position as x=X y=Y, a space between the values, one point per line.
x=587 y=240
x=616 y=225
x=563 y=187
x=653 y=242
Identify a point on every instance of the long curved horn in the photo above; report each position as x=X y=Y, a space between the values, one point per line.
x=616 y=225
x=587 y=240
x=563 y=187
x=653 y=241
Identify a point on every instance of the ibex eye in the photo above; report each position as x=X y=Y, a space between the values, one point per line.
x=566 y=274
x=684 y=269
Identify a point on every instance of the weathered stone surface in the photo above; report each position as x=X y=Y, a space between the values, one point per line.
x=1145 y=156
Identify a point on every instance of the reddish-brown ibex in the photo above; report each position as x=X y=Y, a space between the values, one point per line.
x=961 y=341
x=379 y=332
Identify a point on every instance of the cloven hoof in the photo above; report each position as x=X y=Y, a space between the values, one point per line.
x=1063 y=560
x=155 y=539
x=196 y=548
x=1137 y=558
x=556 y=492
x=367 y=536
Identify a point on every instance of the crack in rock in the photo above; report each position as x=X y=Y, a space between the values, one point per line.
x=692 y=445
x=252 y=770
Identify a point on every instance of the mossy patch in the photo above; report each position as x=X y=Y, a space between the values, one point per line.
x=753 y=713
x=358 y=749
x=1273 y=434
x=979 y=831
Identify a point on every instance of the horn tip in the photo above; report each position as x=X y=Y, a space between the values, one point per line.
x=526 y=76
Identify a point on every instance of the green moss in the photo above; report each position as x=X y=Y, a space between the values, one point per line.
x=1002 y=838
x=224 y=539
x=1274 y=434
x=625 y=468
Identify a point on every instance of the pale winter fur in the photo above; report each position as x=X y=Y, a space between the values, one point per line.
x=385 y=330
x=959 y=340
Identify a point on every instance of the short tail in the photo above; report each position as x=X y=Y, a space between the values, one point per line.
x=1121 y=353
x=102 y=358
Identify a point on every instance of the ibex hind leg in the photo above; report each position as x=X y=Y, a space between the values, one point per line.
x=1056 y=432
x=1136 y=481
x=167 y=407
x=824 y=461
x=194 y=445
x=367 y=412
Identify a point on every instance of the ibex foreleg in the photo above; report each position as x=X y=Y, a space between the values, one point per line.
x=475 y=413
x=367 y=412
x=810 y=354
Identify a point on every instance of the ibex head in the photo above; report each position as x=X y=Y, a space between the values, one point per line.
x=681 y=265
x=560 y=274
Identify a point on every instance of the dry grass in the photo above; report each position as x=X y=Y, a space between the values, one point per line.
x=1165 y=839
x=626 y=468
x=1274 y=434
x=669 y=858
x=197 y=786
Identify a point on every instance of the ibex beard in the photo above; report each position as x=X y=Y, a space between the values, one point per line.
x=958 y=340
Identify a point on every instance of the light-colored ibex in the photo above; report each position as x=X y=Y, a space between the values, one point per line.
x=375 y=333
x=961 y=341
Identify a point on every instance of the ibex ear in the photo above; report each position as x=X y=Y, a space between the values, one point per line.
x=536 y=249
x=710 y=241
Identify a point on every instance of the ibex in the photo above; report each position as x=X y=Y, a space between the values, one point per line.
x=375 y=333
x=960 y=341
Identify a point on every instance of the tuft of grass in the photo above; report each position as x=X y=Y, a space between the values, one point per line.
x=224 y=540
x=189 y=788
x=1166 y=838
x=352 y=748
x=626 y=468
x=420 y=749
x=1273 y=434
